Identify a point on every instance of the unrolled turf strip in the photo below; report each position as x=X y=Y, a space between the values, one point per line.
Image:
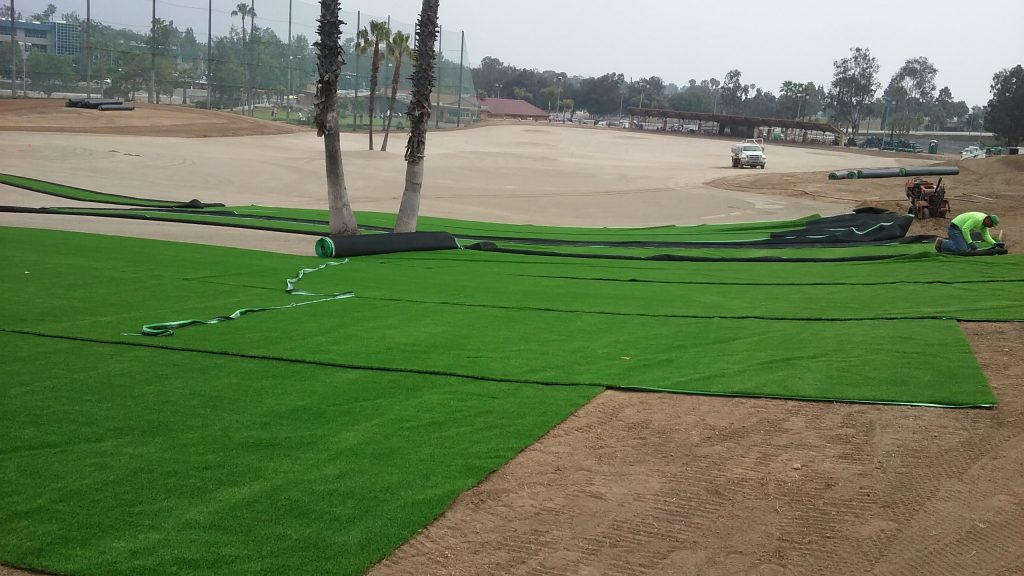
x=450 y=316
x=122 y=460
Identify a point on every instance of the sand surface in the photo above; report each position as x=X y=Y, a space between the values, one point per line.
x=637 y=483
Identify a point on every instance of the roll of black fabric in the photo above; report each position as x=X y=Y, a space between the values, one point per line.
x=933 y=171
x=386 y=243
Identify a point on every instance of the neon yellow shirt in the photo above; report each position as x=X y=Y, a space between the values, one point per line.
x=969 y=221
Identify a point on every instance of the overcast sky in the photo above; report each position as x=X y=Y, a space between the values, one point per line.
x=769 y=41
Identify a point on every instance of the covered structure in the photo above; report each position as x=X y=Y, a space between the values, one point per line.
x=743 y=126
x=510 y=108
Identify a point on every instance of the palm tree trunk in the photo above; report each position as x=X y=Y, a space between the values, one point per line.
x=374 y=72
x=391 y=105
x=330 y=59
x=419 y=116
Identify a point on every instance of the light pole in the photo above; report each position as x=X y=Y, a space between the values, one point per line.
x=622 y=94
x=24 y=70
x=14 y=57
x=558 y=97
x=497 y=90
x=288 y=102
x=718 y=92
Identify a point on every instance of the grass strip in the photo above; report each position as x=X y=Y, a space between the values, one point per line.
x=487 y=324
x=81 y=194
x=128 y=460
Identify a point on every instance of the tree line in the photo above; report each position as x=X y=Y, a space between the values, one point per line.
x=910 y=100
x=248 y=64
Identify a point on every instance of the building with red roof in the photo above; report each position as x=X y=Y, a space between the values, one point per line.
x=509 y=108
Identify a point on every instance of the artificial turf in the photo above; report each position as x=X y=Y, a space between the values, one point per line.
x=318 y=438
x=81 y=194
x=634 y=325
x=128 y=460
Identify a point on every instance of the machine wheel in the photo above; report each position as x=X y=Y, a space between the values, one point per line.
x=735 y=164
x=762 y=166
x=925 y=213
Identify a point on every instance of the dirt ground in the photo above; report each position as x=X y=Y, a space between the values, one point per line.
x=990 y=185
x=644 y=483
x=50 y=115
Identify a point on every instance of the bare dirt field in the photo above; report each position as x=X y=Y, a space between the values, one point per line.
x=643 y=483
x=146 y=120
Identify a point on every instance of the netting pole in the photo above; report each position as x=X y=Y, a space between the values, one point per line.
x=88 y=53
x=462 y=53
x=209 y=55
x=152 y=56
x=14 y=57
x=355 y=86
x=384 y=54
x=440 y=54
x=254 y=45
x=288 y=103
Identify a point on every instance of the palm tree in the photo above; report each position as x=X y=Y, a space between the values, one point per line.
x=398 y=49
x=245 y=11
x=242 y=10
x=419 y=116
x=369 y=39
x=330 y=58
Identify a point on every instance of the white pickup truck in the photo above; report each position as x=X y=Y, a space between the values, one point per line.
x=749 y=153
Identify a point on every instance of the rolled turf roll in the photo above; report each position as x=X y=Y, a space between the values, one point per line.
x=932 y=171
x=842 y=174
x=115 y=107
x=879 y=172
x=386 y=243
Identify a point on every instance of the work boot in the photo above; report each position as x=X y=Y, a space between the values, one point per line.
x=938 y=244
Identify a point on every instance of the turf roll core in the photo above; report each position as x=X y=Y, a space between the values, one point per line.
x=325 y=247
x=386 y=243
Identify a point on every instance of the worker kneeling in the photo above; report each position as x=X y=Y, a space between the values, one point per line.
x=960 y=233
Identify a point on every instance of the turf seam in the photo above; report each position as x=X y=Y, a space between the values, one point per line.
x=498 y=379
x=685 y=316
x=699 y=283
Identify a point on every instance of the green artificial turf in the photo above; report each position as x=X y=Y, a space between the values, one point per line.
x=549 y=322
x=127 y=460
x=316 y=439
x=75 y=193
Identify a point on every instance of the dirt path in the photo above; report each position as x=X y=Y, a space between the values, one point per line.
x=670 y=484
x=34 y=115
x=637 y=483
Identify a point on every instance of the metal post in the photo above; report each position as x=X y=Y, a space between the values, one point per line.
x=256 y=69
x=288 y=104
x=440 y=56
x=14 y=57
x=152 y=56
x=355 y=87
x=462 y=50
x=88 y=52
x=558 y=98
x=384 y=58
x=209 y=54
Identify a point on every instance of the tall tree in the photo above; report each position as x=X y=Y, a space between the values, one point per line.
x=244 y=11
x=398 y=51
x=733 y=92
x=45 y=15
x=1005 y=116
x=912 y=88
x=330 y=59
x=370 y=39
x=854 y=84
x=419 y=116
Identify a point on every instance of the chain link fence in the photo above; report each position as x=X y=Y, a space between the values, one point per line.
x=255 y=58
